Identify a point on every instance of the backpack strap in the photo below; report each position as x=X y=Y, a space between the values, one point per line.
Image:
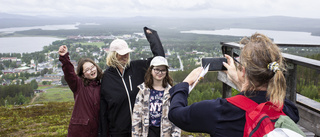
x=243 y=102
x=252 y=107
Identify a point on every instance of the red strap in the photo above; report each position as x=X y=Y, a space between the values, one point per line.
x=243 y=102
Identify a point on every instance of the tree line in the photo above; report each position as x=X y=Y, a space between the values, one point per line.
x=17 y=94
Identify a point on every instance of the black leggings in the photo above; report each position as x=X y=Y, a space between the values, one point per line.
x=154 y=131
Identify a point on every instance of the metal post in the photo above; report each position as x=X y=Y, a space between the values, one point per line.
x=226 y=89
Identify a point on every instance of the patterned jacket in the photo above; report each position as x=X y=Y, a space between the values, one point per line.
x=140 y=116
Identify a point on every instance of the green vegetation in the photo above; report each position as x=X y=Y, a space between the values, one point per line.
x=98 y=44
x=15 y=94
x=48 y=119
x=308 y=81
x=42 y=87
x=58 y=94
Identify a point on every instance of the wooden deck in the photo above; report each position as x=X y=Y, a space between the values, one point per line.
x=308 y=133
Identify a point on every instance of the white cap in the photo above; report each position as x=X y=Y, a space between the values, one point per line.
x=120 y=46
x=158 y=61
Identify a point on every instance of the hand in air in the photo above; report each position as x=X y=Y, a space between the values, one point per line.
x=63 y=50
x=148 y=31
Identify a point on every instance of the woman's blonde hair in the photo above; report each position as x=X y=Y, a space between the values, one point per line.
x=255 y=56
x=112 y=60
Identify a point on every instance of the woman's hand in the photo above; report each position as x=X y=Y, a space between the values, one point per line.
x=63 y=50
x=193 y=75
x=232 y=71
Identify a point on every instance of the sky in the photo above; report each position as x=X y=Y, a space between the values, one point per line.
x=163 y=8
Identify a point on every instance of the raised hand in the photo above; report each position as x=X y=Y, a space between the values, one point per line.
x=63 y=50
x=148 y=31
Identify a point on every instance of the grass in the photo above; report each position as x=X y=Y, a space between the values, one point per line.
x=50 y=119
x=99 y=44
x=42 y=87
x=48 y=116
x=57 y=94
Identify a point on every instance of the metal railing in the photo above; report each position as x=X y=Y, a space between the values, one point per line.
x=309 y=110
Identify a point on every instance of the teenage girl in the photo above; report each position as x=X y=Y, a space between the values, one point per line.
x=85 y=85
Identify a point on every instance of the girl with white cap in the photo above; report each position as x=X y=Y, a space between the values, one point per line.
x=150 y=112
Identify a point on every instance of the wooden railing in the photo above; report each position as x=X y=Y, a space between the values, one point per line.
x=309 y=110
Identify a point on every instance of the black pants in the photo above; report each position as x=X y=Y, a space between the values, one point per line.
x=121 y=135
x=154 y=131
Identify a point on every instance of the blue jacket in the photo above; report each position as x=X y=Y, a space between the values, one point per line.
x=216 y=117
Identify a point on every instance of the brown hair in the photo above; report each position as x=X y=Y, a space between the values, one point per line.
x=80 y=71
x=255 y=56
x=148 y=79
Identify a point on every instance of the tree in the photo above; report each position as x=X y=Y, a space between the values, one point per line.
x=44 y=71
x=34 y=84
x=22 y=82
x=17 y=82
x=44 y=82
x=20 y=99
x=63 y=81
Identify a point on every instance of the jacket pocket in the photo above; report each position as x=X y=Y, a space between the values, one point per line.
x=79 y=121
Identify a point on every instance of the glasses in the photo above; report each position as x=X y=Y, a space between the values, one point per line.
x=88 y=70
x=157 y=71
x=237 y=61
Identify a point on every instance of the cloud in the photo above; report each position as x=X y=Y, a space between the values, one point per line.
x=170 y=8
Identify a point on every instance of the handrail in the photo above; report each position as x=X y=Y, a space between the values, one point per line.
x=308 y=109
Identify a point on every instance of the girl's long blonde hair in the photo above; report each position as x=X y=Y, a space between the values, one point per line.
x=257 y=53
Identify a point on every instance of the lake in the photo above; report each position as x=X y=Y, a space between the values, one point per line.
x=31 y=44
x=25 y=44
x=288 y=37
x=45 y=27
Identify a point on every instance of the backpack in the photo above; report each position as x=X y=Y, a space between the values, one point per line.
x=261 y=118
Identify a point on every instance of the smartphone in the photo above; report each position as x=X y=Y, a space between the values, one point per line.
x=215 y=63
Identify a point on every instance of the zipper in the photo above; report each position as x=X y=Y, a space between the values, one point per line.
x=125 y=86
x=130 y=82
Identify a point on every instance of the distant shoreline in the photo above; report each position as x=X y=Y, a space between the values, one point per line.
x=26 y=44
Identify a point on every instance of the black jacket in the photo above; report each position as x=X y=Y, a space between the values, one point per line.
x=115 y=117
x=217 y=117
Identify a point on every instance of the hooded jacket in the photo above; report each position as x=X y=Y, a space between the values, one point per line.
x=85 y=116
x=115 y=109
x=140 y=117
x=217 y=117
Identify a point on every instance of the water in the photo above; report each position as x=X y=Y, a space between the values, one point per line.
x=30 y=44
x=288 y=37
x=24 y=44
x=45 y=27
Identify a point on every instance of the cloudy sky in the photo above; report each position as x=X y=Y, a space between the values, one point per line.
x=164 y=8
